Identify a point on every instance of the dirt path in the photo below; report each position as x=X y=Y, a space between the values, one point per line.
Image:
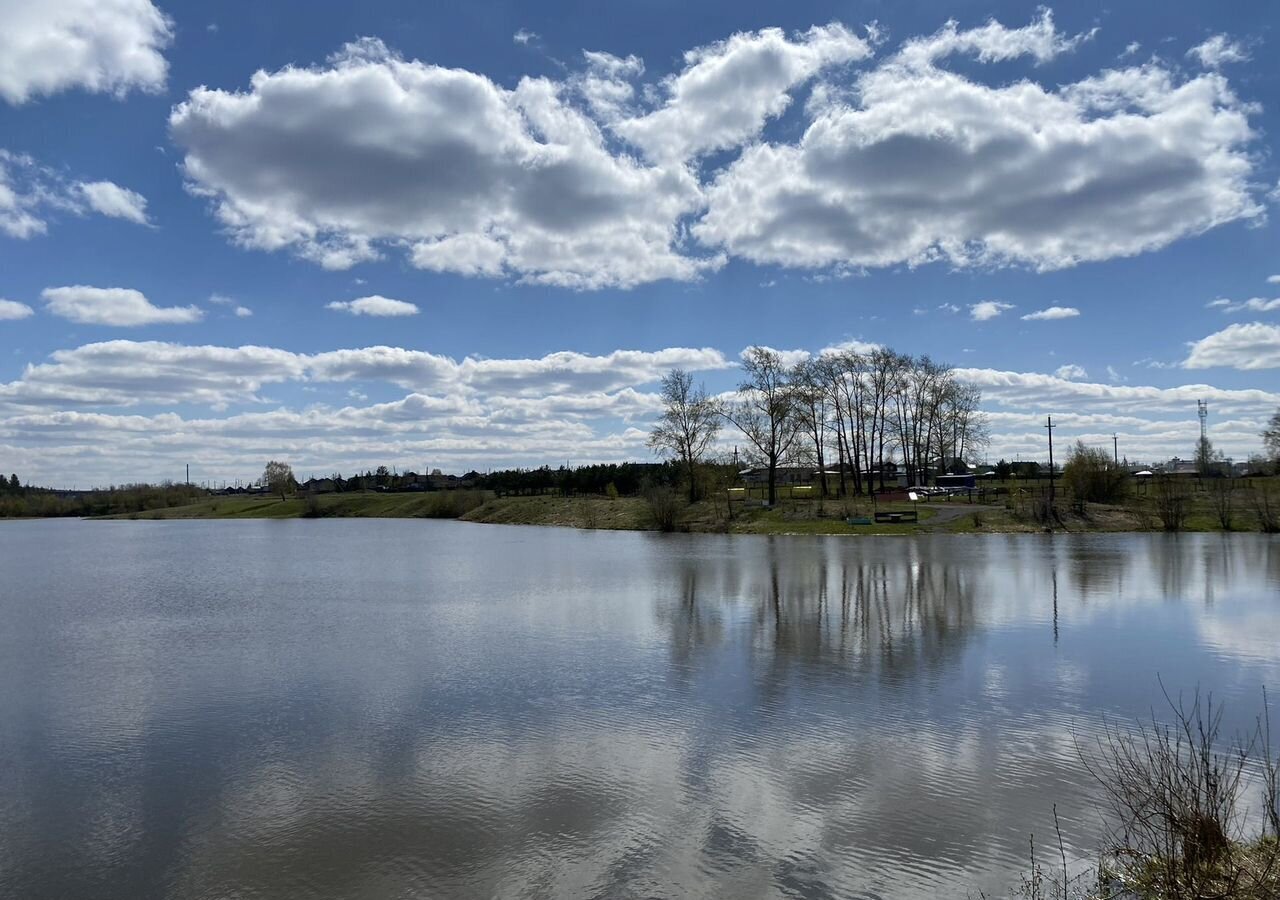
x=949 y=512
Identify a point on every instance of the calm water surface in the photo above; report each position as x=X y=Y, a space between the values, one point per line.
x=394 y=709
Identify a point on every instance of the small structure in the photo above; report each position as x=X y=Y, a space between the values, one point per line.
x=897 y=517
x=784 y=475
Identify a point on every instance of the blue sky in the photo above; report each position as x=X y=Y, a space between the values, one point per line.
x=568 y=199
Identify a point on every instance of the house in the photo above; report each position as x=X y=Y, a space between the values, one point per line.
x=1180 y=467
x=318 y=486
x=950 y=465
x=783 y=475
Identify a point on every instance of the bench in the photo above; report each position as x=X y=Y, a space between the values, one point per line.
x=895 y=518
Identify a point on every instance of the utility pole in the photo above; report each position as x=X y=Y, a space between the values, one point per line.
x=1050 y=426
x=188 y=474
x=1115 y=448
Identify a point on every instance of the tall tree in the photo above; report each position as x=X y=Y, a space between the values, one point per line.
x=813 y=408
x=1271 y=438
x=689 y=424
x=765 y=411
x=278 y=477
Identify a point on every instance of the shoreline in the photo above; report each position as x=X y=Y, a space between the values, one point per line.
x=632 y=514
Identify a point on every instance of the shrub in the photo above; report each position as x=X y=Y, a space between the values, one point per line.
x=1222 y=496
x=1170 y=502
x=664 y=506
x=1092 y=476
x=1267 y=510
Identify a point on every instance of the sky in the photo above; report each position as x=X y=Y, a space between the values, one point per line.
x=468 y=236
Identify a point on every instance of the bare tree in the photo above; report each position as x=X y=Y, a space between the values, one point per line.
x=1271 y=438
x=278 y=477
x=813 y=409
x=765 y=412
x=689 y=424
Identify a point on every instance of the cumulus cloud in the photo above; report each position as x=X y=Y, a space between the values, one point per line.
x=1219 y=50
x=919 y=163
x=30 y=193
x=595 y=180
x=111 y=200
x=1241 y=346
x=992 y=42
x=11 y=310
x=1273 y=279
x=728 y=90
x=472 y=177
x=123 y=307
x=374 y=305
x=130 y=373
x=1071 y=372
x=1051 y=313
x=108 y=46
x=987 y=309
x=1023 y=390
x=524 y=36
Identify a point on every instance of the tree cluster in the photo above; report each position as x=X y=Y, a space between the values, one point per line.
x=866 y=412
x=626 y=479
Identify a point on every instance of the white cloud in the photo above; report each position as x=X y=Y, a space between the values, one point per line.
x=852 y=345
x=1113 y=376
x=12 y=309
x=113 y=306
x=240 y=312
x=1071 y=372
x=374 y=305
x=1253 y=304
x=795 y=357
x=948 y=308
x=1131 y=49
x=87 y=409
x=1240 y=346
x=1020 y=390
x=21 y=196
x=987 y=309
x=99 y=45
x=1051 y=313
x=917 y=163
x=728 y=90
x=904 y=161
x=470 y=176
x=992 y=42
x=524 y=36
x=1219 y=50
x=1273 y=279
x=30 y=193
x=129 y=373
x=110 y=199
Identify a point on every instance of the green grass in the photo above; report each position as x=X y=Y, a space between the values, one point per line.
x=798 y=516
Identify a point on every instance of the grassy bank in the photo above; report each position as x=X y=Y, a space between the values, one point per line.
x=450 y=505
x=789 y=516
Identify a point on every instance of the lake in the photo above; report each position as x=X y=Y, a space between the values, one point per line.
x=403 y=708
